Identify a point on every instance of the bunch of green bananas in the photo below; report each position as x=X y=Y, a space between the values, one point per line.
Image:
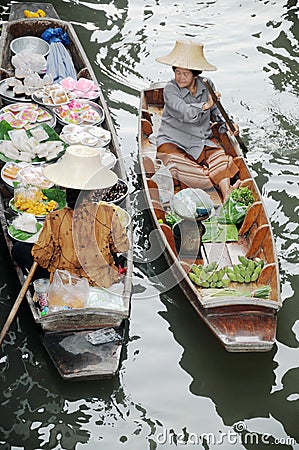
x=208 y=276
x=211 y=277
x=246 y=272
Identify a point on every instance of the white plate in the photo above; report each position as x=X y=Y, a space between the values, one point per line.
x=27 y=105
x=31 y=174
x=8 y=180
x=78 y=120
x=19 y=211
x=31 y=240
x=108 y=160
x=38 y=99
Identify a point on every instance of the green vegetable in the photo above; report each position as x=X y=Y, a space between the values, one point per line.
x=218 y=232
x=262 y=292
x=194 y=278
x=234 y=210
x=243 y=260
x=210 y=276
x=197 y=269
x=172 y=218
x=232 y=276
x=242 y=195
x=211 y=267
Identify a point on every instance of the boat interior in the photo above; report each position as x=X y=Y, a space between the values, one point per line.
x=254 y=235
x=19 y=28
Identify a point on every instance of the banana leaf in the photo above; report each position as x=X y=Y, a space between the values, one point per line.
x=232 y=212
x=5 y=127
x=218 y=232
x=22 y=235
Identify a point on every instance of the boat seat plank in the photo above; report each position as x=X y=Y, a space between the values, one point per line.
x=148 y=165
x=153 y=189
x=146 y=127
x=159 y=210
x=66 y=350
x=236 y=249
x=146 y=115
x=257 y=241
x=266 y=274
x=17 y=10
x=169 y=237
x=243 y=170
x=216 y=251
x=250 y=217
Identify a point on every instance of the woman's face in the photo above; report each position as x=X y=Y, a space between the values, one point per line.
x=184 y=78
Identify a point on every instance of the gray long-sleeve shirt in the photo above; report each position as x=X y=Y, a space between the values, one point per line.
x=184 y=123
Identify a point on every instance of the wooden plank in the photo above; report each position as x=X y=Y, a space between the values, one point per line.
x=250 y=217
x=169 y=237
x=146 y=127
x=216 y=251
x=77 y=359
x=159 y=210
x=256 y=242
x=17 y=10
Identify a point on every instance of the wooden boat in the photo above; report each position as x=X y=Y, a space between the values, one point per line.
x=241 y=323
x=64 y=332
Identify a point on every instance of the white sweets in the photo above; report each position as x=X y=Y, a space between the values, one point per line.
x=26 y=148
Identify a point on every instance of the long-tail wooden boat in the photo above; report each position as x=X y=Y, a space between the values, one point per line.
x=64 y=332
x=241 y=323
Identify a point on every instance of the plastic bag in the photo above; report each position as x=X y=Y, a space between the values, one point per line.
x=232 y=212
x=68 y=291
x=55 y=35
x=191 y=203
x=164 y=180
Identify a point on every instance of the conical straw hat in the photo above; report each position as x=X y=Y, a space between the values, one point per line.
x=187 y=55
x=80 y=168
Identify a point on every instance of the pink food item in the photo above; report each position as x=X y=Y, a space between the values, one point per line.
x=69 y=83
x=29 y=115
x=85 y=85
x=43 y=116
x=14 y=107
x=18 y=123
x=8 y=116
x=91 y=94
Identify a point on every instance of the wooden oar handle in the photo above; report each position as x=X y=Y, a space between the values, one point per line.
x=18 y=302
x=224 y=114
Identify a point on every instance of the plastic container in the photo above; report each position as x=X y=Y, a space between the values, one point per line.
x=41 y=294
x=164 y=180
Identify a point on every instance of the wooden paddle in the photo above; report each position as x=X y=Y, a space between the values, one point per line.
x=18 y=302
x=225 y=115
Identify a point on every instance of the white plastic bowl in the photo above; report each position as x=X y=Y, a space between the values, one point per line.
x=30 y=44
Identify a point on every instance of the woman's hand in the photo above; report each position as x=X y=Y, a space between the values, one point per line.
x=236 y=127
x=210 y=101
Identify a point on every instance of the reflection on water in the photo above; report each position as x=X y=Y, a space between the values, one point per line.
x=174 y=375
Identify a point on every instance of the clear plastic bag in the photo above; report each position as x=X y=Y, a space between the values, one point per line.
x=68 y=291
x=164 y=180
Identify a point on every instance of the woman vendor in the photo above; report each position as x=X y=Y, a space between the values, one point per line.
x=185 y=132
x=83 y=236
